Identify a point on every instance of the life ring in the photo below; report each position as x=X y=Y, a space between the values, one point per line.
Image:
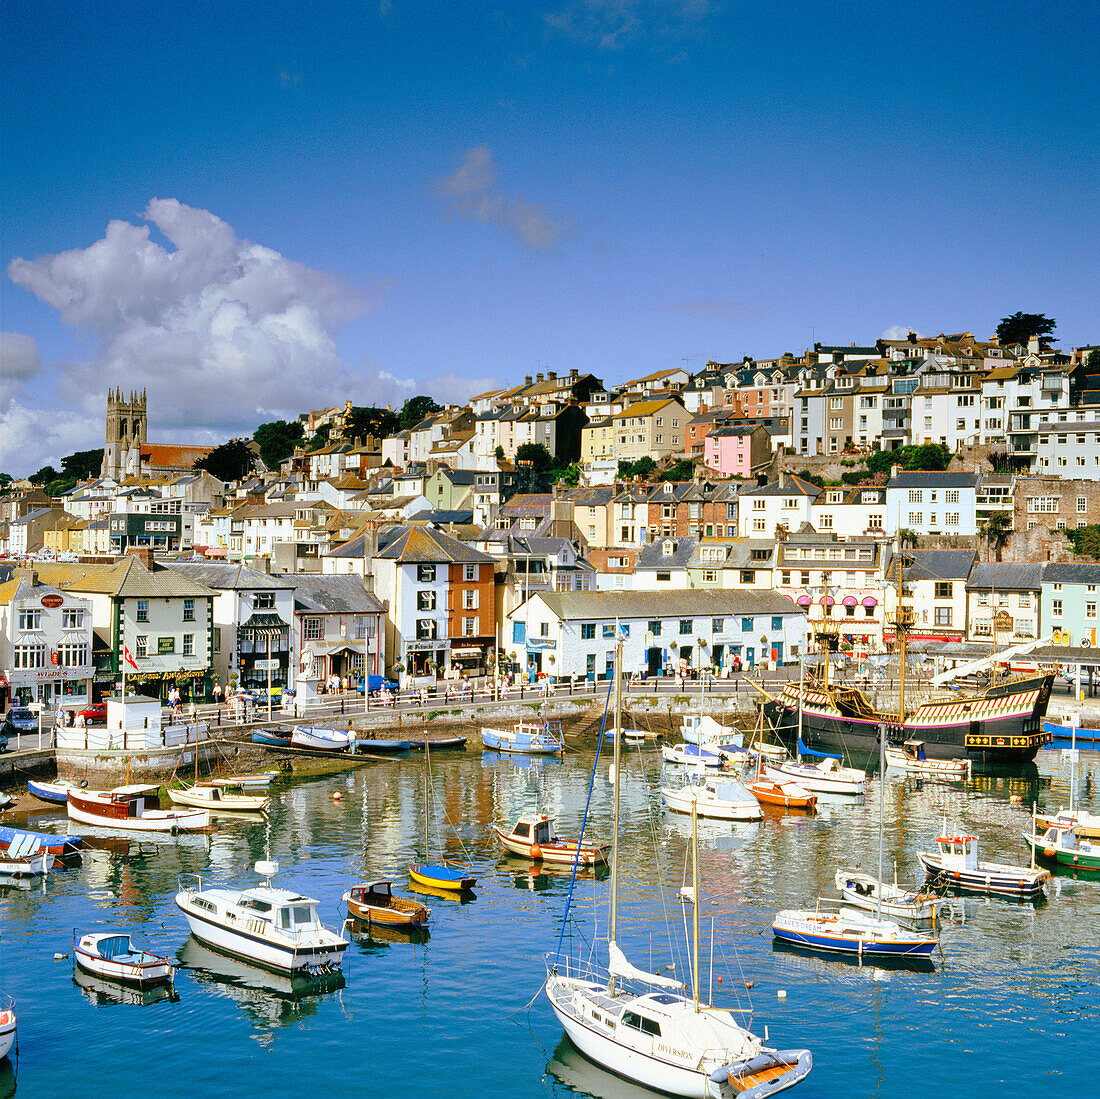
x=1075 y=859
x=174 y=830
x=536 y=851
x=83 y=784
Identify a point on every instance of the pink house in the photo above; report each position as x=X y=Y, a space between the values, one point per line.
x=735 y=451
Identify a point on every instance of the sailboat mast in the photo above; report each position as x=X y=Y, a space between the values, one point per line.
x=900 y=633
x=881 y=811
x=426 y=769
x=695 y=900
x=615 y=833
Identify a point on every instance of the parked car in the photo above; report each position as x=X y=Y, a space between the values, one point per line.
x=95 y=714
x=376 y=683
x=20 y=720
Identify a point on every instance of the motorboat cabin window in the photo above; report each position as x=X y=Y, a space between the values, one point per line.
x=640 y=1022
x=299 y=915
x=542 y=832
x=256 y=905
x=523 y=829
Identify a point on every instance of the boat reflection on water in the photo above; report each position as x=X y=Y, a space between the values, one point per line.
x=380 y=934
x=542 y=876
x=7 y=1078
x=267 y=999
x=101 y=992
x=463 y=896
x=882 y=963
x=725 y=836
x=570 y=1067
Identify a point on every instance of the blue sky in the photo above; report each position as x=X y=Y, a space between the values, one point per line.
x=376 y=199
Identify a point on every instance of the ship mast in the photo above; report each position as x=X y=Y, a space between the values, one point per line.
x=903 y=619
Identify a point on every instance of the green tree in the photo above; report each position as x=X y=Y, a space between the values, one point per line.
x=1092 y=363
x=231 y=461
x=415 y=409
x=1020 y=327
x=371 y=420
x=683 y=470
x=499 y=454
x=534 y=455
x=277 y=440
x=996 y=530
x=643 y=467
x=44 y=476
x=570 y=475
x=82 y=464
x=1086 y=541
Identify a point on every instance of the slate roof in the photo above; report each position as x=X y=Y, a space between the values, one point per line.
x=928 y=479
x=225 y=576
x=943 y=564
x=423 y=545
x=126 y=578
x=709 y=602
x=333 y=595
x=653 y=556
x=1067 y=573
x=1015 y=576
x=794 y=486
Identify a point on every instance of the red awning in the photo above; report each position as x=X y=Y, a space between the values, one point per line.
x=849 y=600
x=870 y=601
x=803 y=600
x=826 y=600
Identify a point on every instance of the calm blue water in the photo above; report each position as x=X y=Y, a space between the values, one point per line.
x=1012 y=1003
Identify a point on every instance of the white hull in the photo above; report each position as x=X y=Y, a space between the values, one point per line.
x=932 y=768
x=122 y=973
x=7 y=1032
x=889 y=900
x=156 y=820
x=283 y=958
x=212 y=799
x=677 y=753
x=31 y=867
x=646 y=1070
x=680 y=801
x=815 y=781
x=324 y=740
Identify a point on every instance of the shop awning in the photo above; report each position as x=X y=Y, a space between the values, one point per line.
x=849 y=601
x=467 y=653
x=826 y=600
x=803 y=600
x=265 y=624
x=870 y=601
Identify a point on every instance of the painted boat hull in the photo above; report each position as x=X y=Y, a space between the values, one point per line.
x=768 y=792
x=560 y=852
x=533 y=745
x=382 y=746
x=819 y=933
x=446 y=876
x=230 y=803
x=895 y=903
x=285 y=960
x=172 y=821
x=690 y=755
x=54 y=792
x=988 y=878
x=953 y=769
x=320 y=740
x=681 y=801
x=56 y=845
x=1005 y=727
x=412 y=918
x=141 y=975
x=33 y=866
x=1084 y=857
x=271 y=740
x=1085 y=825
x=816 y=782
x=7 y=1029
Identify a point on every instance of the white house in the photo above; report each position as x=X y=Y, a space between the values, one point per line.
x=932 y=503
x=767 y=505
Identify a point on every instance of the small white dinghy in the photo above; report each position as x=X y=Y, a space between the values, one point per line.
x=25 y=858
x=908 y=903
x=219 y=795
x=320 y=740
x=113 y=956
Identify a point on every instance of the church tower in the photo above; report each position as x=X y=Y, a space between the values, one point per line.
x=126 y=425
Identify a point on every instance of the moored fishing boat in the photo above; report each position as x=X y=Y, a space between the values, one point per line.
x=528 y=738
x=7 y=1025
x=217 y=795
x=533 y=837
x=273 y=738
x=911 y=757
x=1084 y=823
x=788 y=795
x=25 y=858
x=135 y=807
x=1066 y=847
x=273 y=928
x=112 y=956
x=373 y=902
x=955 y=863
x=320 y=740
x=692 y=755
x=898 y=902
x=58 y=846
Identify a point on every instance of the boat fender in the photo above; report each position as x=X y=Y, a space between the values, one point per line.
x=83 y=784
x=1049 y=852
x=536 y=851
x=1075 y=858
x=174 y=830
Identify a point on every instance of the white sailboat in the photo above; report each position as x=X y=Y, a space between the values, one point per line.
x=650 y=1028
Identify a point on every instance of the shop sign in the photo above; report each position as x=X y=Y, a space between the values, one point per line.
x=166 y=645
x=541 y=644
x=271 y=665
x=52 y=601
x=426 y=646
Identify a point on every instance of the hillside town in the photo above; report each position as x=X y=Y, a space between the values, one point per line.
x=704 y=518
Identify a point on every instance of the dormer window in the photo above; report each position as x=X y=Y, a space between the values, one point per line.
x=668 y=487
x=666 y=549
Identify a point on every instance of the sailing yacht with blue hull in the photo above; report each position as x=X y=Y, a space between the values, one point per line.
x=650 y=1028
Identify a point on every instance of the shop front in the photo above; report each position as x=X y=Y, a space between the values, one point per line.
x=194 y=684
x=426 y=659
x=472 y=656
x=51 y=686
x=263 y=652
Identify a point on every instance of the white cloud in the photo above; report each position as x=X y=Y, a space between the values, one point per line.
x=33 y=437
x=897 y=332
x=215 y=328
x=471 y=189
x=19 y=362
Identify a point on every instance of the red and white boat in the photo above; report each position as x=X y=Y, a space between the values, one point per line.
x=112 y=956
x=789 y=795
x=533 y=837
x=135 y=808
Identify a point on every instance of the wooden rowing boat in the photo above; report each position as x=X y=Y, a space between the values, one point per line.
x=373 y=902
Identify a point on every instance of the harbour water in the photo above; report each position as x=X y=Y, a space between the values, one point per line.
x=1010 y=1006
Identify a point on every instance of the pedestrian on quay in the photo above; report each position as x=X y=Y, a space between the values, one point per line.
x=217 y=693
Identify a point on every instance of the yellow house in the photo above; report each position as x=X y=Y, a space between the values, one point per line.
x=657 y=428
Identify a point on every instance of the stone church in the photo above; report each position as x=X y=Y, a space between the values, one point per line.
x=127 y=453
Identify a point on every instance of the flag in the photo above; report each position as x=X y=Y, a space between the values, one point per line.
x=129 y=657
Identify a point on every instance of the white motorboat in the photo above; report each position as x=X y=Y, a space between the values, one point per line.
x=273 y=928
x=703 y=729
x=721 y=798
x=112 y=956
x=691 y=755
x=648 y=1027
x=133 y=808
x=826 y=777
x=911 y=757
x=219 y=795
x=320 y=740
x=897 y=902
x=955 y=863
